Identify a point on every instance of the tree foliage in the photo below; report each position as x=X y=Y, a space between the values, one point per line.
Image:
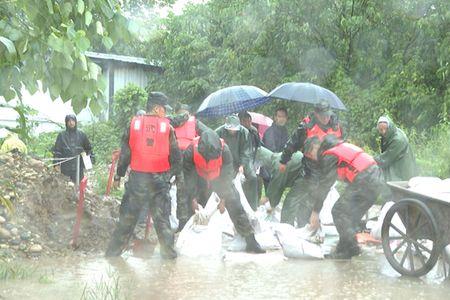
x=377 y=56
x=127 y=102
x=46 y=40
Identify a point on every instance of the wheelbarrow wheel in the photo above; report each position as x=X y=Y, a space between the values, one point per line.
x=410 y=238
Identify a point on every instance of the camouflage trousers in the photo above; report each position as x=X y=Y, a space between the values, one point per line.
x=144 y=188
x=227 y=192
x=354 y=202
x=250 y=186
x=298 y=204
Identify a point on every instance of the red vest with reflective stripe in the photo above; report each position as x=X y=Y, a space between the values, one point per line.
x=315 y=130
x=208 y=170
x=149 y=144
x=352 y=160
x=186 y=133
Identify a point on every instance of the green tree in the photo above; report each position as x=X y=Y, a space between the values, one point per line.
x=46 y=40
x=127 y=102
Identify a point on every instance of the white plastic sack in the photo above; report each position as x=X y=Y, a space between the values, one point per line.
x=247 y=208
x=325 y=214
x=295 y=247
x=173 y=211
x=377 y=227
x=86 y=161
x=202 y=234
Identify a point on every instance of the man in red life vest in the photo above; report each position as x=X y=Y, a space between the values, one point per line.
x=348 y=163
x=209 y=162
x=187 y=128
x=298 y=203
x=150 y=148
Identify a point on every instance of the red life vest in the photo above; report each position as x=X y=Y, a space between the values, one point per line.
x=352 y=160
x=315 y=130
x=149 y=144
x=208 y=170
x=186 y=133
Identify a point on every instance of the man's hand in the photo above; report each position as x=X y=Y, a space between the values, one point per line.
x=221 y=206
x=241 y=169
x=282 y=168
x=194 y=205
x=314 y=221
x=58 y=168
x=116 y=182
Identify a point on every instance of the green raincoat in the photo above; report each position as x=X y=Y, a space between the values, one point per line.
x=397 y=158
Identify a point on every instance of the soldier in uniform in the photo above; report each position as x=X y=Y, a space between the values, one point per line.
x=238 y=140
x=365 y=183
x=208 y=162
x=299 y=201
x=150 y=148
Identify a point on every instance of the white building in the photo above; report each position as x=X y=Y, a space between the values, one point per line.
x=118 y=71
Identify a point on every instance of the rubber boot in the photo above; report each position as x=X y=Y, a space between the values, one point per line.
x=252 y=245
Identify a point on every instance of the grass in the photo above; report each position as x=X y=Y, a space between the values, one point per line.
x=14 y=270
x=107 y=288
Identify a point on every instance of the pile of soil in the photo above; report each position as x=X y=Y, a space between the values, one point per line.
x=45 y=204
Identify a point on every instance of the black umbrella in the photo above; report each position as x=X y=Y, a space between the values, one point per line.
x=306 y=93
x=232 y=100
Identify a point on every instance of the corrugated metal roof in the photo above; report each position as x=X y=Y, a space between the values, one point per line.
x=120 y=58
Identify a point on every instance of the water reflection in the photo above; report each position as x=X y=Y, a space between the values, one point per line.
x=237 y=276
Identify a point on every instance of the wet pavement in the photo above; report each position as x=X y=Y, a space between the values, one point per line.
x=235 y=276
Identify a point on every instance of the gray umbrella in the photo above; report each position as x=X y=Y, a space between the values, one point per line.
x=306 y=93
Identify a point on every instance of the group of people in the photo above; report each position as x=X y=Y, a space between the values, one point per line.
x=157 y=148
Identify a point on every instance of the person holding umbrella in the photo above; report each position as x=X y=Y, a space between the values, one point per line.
x=238 y=140
x=298 y=204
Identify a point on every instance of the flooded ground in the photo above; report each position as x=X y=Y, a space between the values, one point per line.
x=236 y=276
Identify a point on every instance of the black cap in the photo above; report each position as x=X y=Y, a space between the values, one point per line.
x=323 y=107
x=158 y=98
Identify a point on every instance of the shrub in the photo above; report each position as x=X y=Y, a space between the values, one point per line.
x=127 y=102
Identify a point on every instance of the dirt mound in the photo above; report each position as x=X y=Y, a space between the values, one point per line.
x=45 y=204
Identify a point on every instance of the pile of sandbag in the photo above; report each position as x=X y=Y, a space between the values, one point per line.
x=211 y=233
x=431 y=186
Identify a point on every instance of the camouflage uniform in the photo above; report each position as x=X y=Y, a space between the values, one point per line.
x=197 y=187
x=299 y=201
x=353 y=203
x=240 y=146
x=142 y=188
x=183 y=213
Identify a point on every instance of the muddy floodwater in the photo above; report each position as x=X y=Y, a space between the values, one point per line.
x=235 y=276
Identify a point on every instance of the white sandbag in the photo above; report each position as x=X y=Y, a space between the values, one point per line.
x=202 y=234
x=295 y=247
x=325 y=214
x=431 y=186
x=313 y=236
x=247 y=208
x=267 y=240
x=173 y=209
x=329 y=230
x=420 y=180
x=377 y=227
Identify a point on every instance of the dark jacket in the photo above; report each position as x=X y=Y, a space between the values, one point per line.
x=275 y=137
x=210 y=148
x=297 y=139
x=397 y=158
x=69 y=143
x=175 y=158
